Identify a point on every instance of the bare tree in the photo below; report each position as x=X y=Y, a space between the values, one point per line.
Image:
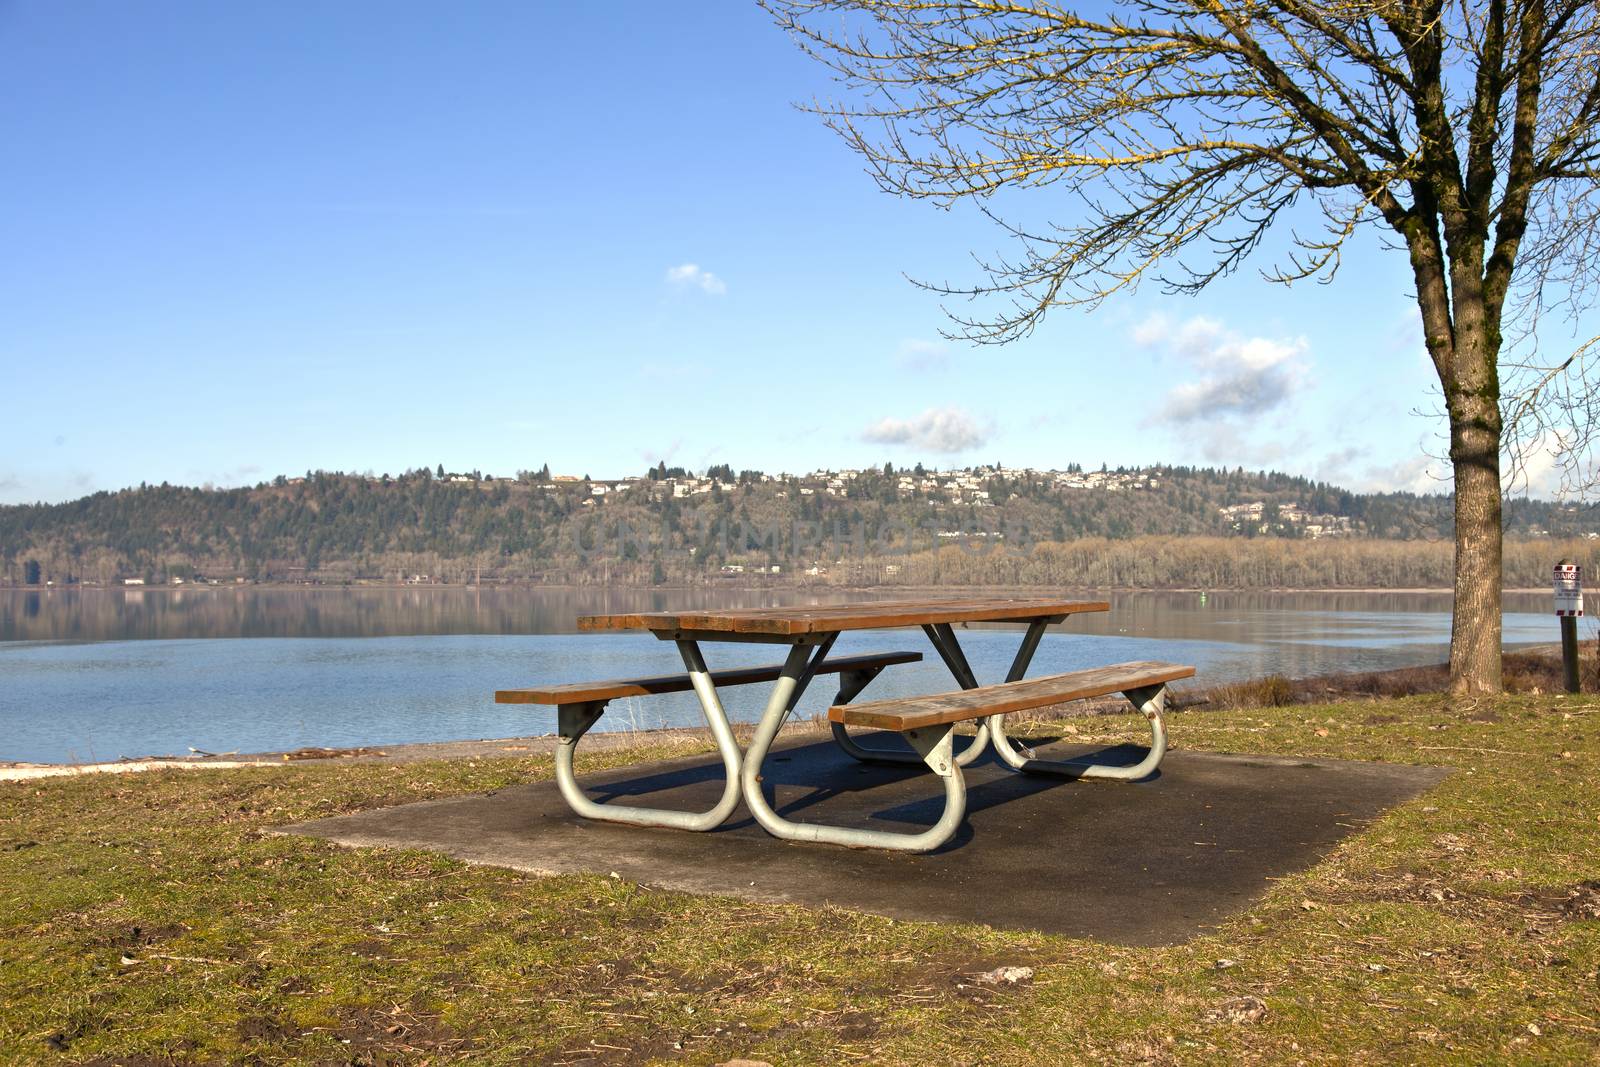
x=1182 y=131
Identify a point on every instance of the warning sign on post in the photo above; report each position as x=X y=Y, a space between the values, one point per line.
x=1569 y=589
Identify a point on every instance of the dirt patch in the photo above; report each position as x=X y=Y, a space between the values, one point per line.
x=956 y=976
x=135 y=937
x=843 y=1025
x=264 y=1028
x=611 y=1050
x=853 y=1025
x=372 y=949
x=182 y=1053
x=378 y=1036
x=1534 y=910
x=1582 y=901
x=1572 y=904
x=696 y=983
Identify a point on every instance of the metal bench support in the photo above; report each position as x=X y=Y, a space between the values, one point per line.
x=933 y=747
x=943 y=639
x=1151 y=702
x=851 y=683
x=576 y=719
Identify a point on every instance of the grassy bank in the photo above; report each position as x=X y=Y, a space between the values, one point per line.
x=155 y=918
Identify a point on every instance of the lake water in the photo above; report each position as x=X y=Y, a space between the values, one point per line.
x=98 y=674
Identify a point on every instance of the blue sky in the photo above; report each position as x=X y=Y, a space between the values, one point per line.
x=250 y=239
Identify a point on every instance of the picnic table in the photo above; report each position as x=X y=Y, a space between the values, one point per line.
x=926 y=722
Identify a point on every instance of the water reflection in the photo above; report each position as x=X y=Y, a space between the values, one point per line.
x=155 y=614
x=250 y=611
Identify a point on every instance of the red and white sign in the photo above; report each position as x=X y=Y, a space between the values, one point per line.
x=1569 y=589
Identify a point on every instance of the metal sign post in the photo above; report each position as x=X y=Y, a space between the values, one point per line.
x=1569 y=606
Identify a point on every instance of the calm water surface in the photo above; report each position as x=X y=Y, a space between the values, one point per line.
x=99 y=674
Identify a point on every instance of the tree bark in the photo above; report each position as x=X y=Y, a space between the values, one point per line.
x=1474 y=410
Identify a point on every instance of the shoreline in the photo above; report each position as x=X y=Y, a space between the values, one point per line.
x=410 y=752
x=729 y=587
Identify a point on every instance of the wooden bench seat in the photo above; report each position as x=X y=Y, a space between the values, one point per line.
x=588 y=692
x=918 y=719
x=939 y=709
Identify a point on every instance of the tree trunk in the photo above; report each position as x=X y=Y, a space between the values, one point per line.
x=1475 y=455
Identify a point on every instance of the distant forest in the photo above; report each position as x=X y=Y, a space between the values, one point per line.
x=1176 y=530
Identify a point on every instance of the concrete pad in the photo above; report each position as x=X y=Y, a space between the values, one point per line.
x=1149 y=863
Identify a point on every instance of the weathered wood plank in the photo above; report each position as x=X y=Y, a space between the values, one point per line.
x=580 y=692
x=912 y=713
x=833 y=618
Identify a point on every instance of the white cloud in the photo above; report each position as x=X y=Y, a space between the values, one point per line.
x=935 y=430
x=915 y=354
x=1419 y=474
x=1222 y=443
x=1155 y=329
x=1238 y=375
x=1338 y=468
x=690 y=276
x=1545 y=465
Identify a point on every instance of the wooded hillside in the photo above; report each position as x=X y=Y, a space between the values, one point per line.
x=1161 y=526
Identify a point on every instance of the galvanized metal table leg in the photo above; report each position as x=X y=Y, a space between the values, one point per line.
x=933 y=747
x=576 y=719
x=1151 y=702
x=949 y=649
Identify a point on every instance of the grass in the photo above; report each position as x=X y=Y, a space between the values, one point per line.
x=1533 y=672
x=155 y=918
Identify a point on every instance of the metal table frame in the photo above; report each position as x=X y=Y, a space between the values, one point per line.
x=932 y=747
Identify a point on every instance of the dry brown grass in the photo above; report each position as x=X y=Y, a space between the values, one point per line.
x=1273 y=691
x=1532 y=673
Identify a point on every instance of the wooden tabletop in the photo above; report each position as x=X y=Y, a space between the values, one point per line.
x=833 y=618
